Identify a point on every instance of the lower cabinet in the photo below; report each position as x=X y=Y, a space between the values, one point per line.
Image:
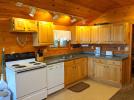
x=90 y=67
x=69 y=72
x=108 y=70
x=75 y=70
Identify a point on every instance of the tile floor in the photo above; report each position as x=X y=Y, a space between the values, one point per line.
x=96 y=91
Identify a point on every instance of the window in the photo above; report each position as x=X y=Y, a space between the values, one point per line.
x=61 y=38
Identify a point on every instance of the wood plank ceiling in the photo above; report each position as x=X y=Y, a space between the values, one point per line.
x=90 y=9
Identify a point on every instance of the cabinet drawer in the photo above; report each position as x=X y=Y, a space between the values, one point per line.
x=102 y=61
x=111 y=62
x=68 y=63
x=80 y=60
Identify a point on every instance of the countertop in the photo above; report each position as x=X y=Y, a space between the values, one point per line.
x=67 y=57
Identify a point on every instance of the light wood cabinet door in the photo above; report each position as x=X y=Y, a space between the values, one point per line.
x=99 y=71
x=81 y=68
x=95 y=34
x=104 y=32
x=75 y=70
x=84 y=67
x=18 y=24
x=45 y=33
x=90 y=68
x=75 y=35
x=69 y=69
x=31 y=26
x=118 y=33
x=23 y=25
x=85 y=34
x=115 y=73
x=80 y=34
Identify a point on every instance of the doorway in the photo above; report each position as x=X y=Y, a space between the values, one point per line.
x=132 y=60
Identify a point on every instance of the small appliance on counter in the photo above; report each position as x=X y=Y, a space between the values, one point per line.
x=97 y=51
x=39 y=55
x=109 y=53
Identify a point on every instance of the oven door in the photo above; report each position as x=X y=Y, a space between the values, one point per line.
x=30 y=81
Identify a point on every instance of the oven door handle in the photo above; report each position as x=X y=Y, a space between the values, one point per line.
x=26 y=70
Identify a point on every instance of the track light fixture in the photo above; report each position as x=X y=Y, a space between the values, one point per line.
x=84 y=21
x=32 y=12
x=73 y=19
x=55 y=17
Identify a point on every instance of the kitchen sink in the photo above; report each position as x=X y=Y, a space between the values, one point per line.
x=66 y=57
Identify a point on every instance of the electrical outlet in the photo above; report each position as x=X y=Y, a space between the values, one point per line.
x=119 y=48
x=126 y=48
x=92 y=47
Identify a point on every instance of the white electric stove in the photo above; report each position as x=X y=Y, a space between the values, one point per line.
x=26 y=77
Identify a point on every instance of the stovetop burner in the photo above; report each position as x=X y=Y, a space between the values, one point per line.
x=16 y=65
x=32 y=62
x=36 y=63
x=21 y=66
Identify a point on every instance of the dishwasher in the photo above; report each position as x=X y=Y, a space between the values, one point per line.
x=55 y=77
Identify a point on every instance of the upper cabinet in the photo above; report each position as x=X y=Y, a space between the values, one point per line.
x=75 y=34
x=23 y=25
x=85 y=34
x=101 y=34
x=45 y=35
x=104 y=34
x=119 y=33
x=80 y=34
x=94 y=34
x=31 y=25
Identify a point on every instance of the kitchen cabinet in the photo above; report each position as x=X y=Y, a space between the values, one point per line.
x=80 y=34
x=90 y=68
x=85 y=32
x=104 y=34
x=108 y=70
x=75 y=35
x=75 y=70
x=95 y=34
x=69 y=69
x=82 y=69
x=23 y=25
x=99 y=71
x=31 y=25
x=119 y=33
x=45 y=35
x=101 y=34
